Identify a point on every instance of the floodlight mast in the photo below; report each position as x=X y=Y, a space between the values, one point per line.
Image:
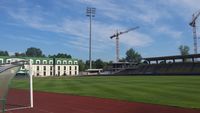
x=193 y=25
x=117 y=40
x=90 y=12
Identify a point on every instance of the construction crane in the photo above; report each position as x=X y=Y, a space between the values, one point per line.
x=193 y=25
x=117 y=40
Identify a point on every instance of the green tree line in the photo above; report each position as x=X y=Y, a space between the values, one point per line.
x=131 y=56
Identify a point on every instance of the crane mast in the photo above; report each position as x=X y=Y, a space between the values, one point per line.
x=117 y=47
x=193 y=25
x=117 y=40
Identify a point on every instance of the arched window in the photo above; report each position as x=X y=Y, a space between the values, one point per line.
x=51 y=62
x=1 y=61
x=64 y=62
x=37 y=61
x=58 y=62
x=75 y=62
x=8 y=61
x=70 y=62
x=44 y=61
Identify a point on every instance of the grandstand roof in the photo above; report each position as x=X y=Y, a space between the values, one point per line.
x=172 y=57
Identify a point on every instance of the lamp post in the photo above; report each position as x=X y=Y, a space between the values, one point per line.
x=90 y=12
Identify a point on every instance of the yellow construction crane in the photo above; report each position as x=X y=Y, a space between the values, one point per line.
x=117 y=40
x=193 y=24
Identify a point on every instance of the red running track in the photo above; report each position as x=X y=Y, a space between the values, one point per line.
x=62 y=103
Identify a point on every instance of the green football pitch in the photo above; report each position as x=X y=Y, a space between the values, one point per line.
x=181 y=91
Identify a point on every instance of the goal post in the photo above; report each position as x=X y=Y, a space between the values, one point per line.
x=31 y=83
x=16 y=85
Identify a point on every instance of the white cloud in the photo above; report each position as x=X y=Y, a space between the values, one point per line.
x=100 y=36
x=131 y=39
x=169 y=32
x=135 y=39
x=79 y=31
x=36 y=39
x=183 y=8
x=128 y=10
x=189 y=4
x=111 y=16
x=106 y=8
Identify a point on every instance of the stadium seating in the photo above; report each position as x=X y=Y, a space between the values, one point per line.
x=181 y=68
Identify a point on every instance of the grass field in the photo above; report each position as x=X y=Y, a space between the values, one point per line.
x=182 y=91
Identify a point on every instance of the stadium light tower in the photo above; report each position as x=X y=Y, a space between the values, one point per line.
x=90 y=12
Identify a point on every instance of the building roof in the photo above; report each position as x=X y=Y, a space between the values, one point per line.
x=41 y=59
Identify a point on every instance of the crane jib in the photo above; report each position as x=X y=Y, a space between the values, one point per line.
x=117 y=40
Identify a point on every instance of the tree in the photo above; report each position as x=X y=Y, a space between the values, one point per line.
x=133 y=56
x=20 y=54
x=81 y=65
x=60 y=55
x=122 y=60
x=34 y=52
x=87 y=64
x=184 y=50
x=99 y=64
x=4 y=53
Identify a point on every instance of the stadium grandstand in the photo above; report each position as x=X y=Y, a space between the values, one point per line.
x=166 y=65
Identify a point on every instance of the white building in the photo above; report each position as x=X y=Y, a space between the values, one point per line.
x=42 y=67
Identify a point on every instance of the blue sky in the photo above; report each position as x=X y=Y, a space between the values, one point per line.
x=62 y=26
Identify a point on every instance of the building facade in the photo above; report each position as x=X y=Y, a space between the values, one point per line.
x=42 y=67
